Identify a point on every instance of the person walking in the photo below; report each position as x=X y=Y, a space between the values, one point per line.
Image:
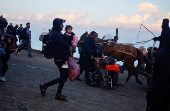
x=19 y=32
x=14 y=32
x=26 y=41
x=6 y=44
x=88 y=53
x=60 y=48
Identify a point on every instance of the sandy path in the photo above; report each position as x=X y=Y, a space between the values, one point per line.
x=26 y=74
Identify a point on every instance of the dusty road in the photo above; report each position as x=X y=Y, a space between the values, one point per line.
x=26 y=74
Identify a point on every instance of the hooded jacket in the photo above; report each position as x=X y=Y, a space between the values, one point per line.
x=60 y=47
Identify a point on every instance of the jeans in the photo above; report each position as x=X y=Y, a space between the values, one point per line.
x=123 y=68
x=25 y=43
x=4 y=68
x=62 y=79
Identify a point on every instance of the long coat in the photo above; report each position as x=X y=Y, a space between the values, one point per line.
x=88 y=50
x=159 y=94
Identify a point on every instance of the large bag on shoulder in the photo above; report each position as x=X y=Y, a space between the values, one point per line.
x=73 y=69
x=22 y=34
x=47 y=50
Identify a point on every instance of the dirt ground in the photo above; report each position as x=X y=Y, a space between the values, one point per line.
x=26 y=74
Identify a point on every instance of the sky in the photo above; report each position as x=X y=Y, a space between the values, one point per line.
x=102 y=16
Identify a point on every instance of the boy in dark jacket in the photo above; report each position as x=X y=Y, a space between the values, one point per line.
x=60 y=48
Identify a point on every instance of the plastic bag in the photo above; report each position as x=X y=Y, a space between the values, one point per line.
x=73 y=69
x=114 y=68
x=75 y=41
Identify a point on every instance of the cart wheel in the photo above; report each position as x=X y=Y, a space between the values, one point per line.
x=92 y=76
x=103 y=83
x=149 y=81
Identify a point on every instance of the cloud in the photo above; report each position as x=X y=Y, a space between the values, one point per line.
x=168 y=15
x=28 y=16
x=122 y=19
x=43 y=16
x=148 y=8
x=124 y=22
x=18 y=16
x=72 y=17
x=80 y=19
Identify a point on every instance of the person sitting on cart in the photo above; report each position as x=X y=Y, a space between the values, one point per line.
x=88 y=53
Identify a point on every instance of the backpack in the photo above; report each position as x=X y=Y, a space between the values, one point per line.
x=75 y=41
x=47 y=49
x=22 y=34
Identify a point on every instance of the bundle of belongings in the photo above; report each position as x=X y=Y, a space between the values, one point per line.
x=107 y=63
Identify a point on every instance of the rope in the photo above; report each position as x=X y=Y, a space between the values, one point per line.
x=148 y=30
x=139 y=31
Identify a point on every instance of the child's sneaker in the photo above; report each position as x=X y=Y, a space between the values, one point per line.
x=65 y=66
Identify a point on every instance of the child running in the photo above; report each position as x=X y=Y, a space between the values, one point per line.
x=68 y=37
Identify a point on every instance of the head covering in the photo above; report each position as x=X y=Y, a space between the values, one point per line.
x=3 y=21
x=165 y=21
x=165 y=24
x=56 y=24
x=44 y=31
x=6 y=39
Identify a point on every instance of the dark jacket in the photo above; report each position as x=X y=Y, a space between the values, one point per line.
x=59 y=45
x=14 y=32
x=88 y=47
x=24 y=34
x=9 y=30
x=160 y=88
x=7 y=48
x=19 y=30
x=68 y=39
x=161 y=38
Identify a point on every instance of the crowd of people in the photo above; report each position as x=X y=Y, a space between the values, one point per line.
x=8 y=43
x=158 y=95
